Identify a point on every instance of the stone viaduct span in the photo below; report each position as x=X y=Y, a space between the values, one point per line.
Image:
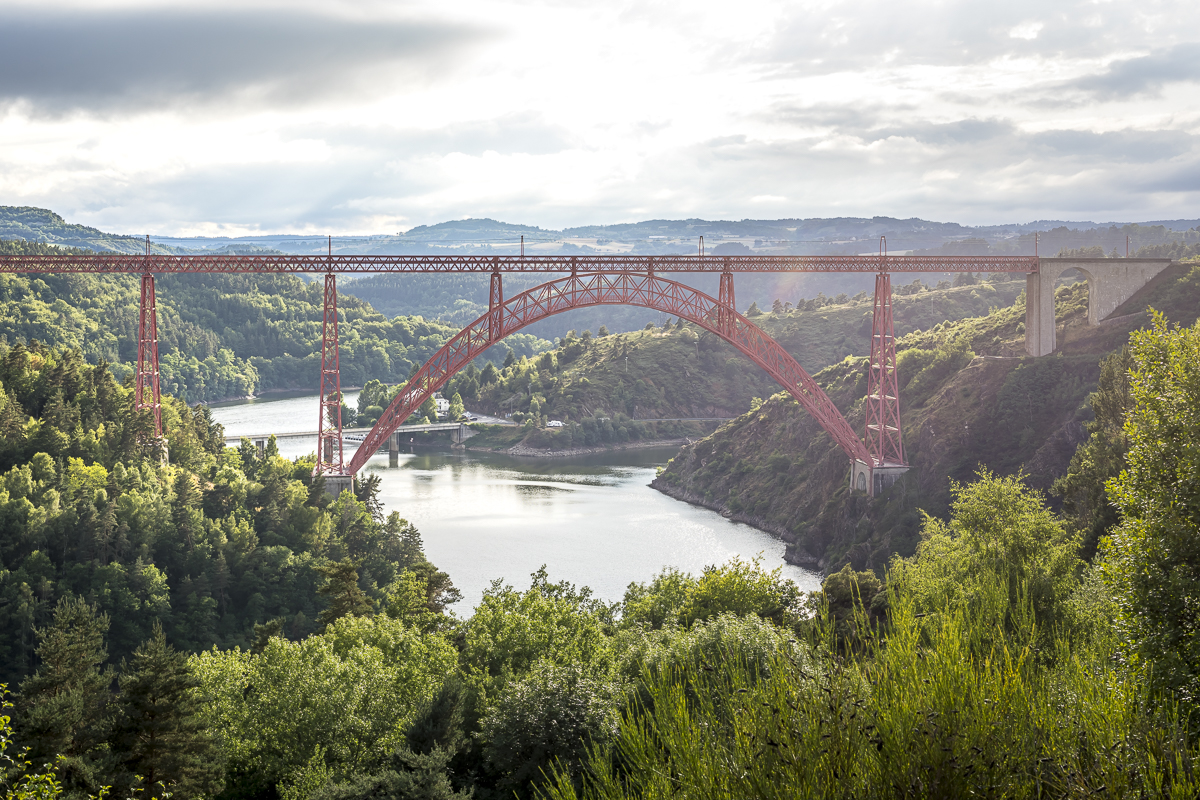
x=581 y=281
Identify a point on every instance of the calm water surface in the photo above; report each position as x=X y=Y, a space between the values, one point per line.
x=592 y=520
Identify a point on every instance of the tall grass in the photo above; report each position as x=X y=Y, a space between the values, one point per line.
x=947 y=705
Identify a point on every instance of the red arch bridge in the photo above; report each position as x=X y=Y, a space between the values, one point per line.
x=574 y=282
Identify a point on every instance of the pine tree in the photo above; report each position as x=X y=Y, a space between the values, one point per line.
x=160 y=735
x=66 y=705
x=342 y=590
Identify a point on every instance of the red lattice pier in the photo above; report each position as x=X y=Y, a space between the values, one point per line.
x=573 y=282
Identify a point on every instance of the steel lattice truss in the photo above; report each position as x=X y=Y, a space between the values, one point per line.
x=146 y=393
x=329 y=427
x=138 y=264
x=578 y=291
x=883 y=393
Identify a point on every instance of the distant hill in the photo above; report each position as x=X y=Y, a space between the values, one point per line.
x=42 y=225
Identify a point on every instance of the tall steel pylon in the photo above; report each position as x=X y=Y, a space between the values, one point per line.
x=329 y=430
x=146 y=393
x=883 y=393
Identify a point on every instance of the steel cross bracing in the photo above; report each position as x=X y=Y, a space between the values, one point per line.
x=139 y=264
x=623 y=288
x=146 y=395
x=883 y=393
x=329 y=427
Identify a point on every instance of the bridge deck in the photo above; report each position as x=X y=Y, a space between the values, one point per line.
x=137 y=264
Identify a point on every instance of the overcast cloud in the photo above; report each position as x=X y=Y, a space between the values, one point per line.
x=371 y=117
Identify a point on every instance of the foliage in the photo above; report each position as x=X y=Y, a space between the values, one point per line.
x=1153 y=555
x=66 y=708
x=1003 y=552
x=736 y=587
x=1101 y=457
x=348 y=692
x=18 y=778
x=211 y=545
x=548 y=718
x=976 y=698
x=160 y=732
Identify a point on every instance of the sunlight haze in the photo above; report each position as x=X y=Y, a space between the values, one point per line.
x=362 y=117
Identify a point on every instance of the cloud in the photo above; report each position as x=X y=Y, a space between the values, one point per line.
x=1146 y=74
x=118 y=61
x=522 y=132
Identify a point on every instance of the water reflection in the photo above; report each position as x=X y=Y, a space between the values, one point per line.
x=592 y=520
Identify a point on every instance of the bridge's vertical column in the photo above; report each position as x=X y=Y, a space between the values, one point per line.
x=329 y=430
x=883 y=393
x=495 y=312
x=394 y=450
x=146 y=395
x=727 y=305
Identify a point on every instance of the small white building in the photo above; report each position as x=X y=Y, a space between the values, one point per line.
x=443 y=405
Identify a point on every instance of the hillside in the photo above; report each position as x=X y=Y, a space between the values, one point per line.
x=220 y=335
x=968 y=399
x=680 y=370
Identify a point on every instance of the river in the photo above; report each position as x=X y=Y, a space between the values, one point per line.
x=592 y=520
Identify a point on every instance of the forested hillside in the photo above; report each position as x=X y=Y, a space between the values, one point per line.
x=210 y=546
x=681 y=371
x=969 y=397
x=220 y=335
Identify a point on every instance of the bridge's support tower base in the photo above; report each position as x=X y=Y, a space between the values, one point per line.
x=875 y=480
x=336 y=484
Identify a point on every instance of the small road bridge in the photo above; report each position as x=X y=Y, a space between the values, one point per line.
x=572 y=282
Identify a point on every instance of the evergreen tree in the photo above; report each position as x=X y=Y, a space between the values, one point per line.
x=456 y=408
x=160 y=735
x=342 y=590
x=366 y=491
x=66 y=705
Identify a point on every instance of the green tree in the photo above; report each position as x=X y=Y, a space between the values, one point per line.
x=1101 y=457
x=348 y=694
x=456 y=408
x=18 y=779
x=1002 y=551
x=160 y=734
x=427 y=413
x=66 y=704
x=342 y=591
x=1152 y=559
x=546 y=720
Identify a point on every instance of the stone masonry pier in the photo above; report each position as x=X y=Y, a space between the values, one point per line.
x=1111 y=281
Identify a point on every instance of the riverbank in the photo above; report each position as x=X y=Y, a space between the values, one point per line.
x=791 y=554
x=525 y=451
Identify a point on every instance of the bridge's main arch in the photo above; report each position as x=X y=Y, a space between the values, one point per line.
x=619 y=288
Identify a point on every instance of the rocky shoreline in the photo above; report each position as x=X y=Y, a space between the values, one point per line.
x=792 y=554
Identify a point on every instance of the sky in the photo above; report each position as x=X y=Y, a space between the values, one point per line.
x=352 y=117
